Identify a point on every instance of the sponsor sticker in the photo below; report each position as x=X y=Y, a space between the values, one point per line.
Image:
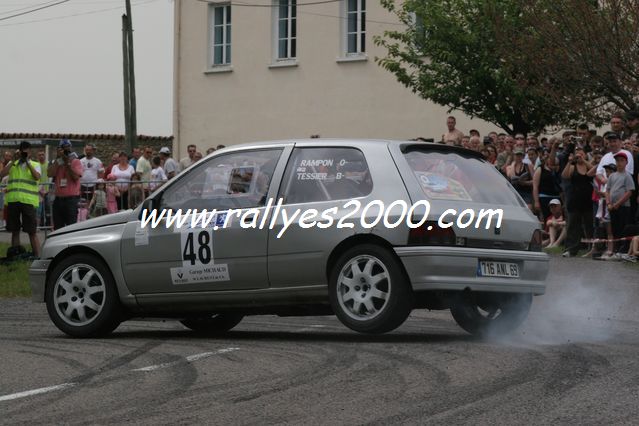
x=141 y=236
x=200 y=274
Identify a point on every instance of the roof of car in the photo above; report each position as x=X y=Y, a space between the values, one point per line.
x=404 y=145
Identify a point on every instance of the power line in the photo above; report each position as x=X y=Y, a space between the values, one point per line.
x=344 y=18
x=26 y=7
x=203 y=1
x=33 y=10
x=91 y=12
x=241 y=4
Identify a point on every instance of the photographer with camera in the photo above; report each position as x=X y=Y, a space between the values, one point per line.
x=579 y=204
x=66 y=171
x=22 y=197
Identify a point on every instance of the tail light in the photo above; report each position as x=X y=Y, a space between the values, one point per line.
x=535 y=241
x=430 y=234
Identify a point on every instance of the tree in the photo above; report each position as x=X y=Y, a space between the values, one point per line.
x=584 y=55
x=447 y=54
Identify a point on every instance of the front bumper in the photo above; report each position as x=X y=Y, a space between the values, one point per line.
x=37 y=279
x=455 y=268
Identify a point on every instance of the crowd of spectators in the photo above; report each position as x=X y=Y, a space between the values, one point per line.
x=582 y=186
x=74 y=186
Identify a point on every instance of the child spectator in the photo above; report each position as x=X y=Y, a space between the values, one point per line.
x=603 y=215
x=98 y=205
x=555 y=224
x=618 y=192
x=136 y=191
x=112 y=193
x=158 y=177
x=83 y=211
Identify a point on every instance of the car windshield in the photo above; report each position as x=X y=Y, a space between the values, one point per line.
x=455 y=177
x=234 y=180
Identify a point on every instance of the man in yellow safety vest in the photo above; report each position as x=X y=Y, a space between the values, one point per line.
x=22 y=196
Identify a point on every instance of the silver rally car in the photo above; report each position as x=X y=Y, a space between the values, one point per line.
x=308 y=227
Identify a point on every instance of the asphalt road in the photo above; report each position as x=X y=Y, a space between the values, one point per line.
x=575 y=361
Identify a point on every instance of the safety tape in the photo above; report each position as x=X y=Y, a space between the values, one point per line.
x=605 y=240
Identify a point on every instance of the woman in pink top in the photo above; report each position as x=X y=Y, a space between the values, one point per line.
x=122 y=173
x=112 y=194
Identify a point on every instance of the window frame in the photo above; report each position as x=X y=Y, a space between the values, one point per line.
x=177 y=184
x=360 y=12
x=285 y=182
x=291 y=23
x=226 y=42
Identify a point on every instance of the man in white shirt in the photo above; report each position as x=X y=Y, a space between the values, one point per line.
x=614 y=144
x=187 y=161
x=170 y=166
x=91 y=165
x=143 y=166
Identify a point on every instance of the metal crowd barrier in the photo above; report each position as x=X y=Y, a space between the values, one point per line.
x=47 y=197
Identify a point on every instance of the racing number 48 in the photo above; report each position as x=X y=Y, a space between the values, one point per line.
x=204 y=248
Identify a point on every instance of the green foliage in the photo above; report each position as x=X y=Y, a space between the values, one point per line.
x=585 y=54
x=447 y=54
x=14 y=278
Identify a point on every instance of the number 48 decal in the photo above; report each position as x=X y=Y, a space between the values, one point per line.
x=197 y=247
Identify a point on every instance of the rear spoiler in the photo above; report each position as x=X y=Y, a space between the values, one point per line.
x=438 y=147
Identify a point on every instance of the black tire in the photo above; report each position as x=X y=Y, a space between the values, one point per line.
x=213 y=324
x=491 y=314
x=363 y=307
x=71 y=303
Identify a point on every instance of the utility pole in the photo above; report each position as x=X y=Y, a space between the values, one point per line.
x=125 y=69
x=130 y=111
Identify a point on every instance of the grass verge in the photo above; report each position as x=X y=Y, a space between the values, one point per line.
x=14 y=278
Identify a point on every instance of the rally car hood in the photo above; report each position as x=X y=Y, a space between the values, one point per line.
x=109 y=219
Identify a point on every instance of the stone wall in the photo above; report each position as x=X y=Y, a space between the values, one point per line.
x=105 y=145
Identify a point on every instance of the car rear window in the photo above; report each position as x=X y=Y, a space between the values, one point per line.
x=455 y=177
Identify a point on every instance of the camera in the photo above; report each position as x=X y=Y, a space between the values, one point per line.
x=488 y=140
x=576 y=139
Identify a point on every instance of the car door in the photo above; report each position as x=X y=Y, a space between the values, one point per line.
x=318 y=179
x=223 y=254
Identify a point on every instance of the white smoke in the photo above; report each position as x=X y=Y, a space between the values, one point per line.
x=579 y=309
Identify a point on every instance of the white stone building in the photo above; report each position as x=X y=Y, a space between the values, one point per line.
x=274 y=69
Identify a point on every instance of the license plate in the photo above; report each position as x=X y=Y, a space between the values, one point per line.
x=497 y=269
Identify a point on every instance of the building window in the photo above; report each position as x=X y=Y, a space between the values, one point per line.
x=285 y=29
x=355 y=27
x=220 y=18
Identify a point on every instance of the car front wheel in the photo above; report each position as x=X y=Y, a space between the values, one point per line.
x=491 y=314
x=81 y=297
x=369 y=292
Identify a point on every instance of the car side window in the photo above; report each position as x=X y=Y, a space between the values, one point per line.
x=324 y=174
x=231 y=181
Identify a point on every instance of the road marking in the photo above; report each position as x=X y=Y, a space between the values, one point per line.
x=189 y=358
x=36 y=391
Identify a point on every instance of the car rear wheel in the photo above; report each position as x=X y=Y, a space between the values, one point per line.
x=213 y=324
x=369 y=291
x=491 y=314
x=81 y=297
